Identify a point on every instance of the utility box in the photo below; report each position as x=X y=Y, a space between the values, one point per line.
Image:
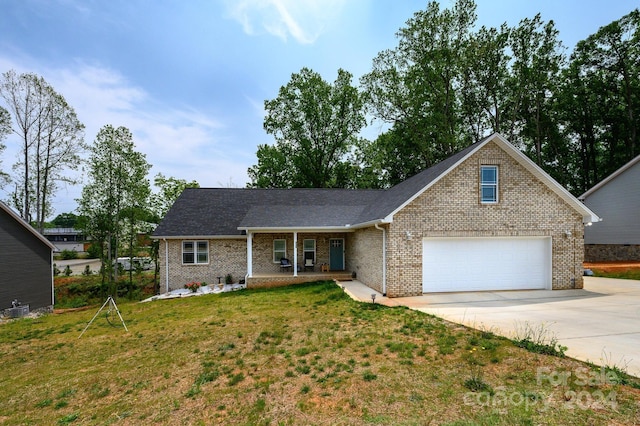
x=18 y=311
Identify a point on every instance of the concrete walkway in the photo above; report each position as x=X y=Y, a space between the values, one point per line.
x=599 y=324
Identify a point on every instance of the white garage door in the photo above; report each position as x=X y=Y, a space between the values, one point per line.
x=477 y=264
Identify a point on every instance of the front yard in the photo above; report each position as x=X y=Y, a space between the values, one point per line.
x=305 y=354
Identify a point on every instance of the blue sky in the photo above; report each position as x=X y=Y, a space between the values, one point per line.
x=189 y=77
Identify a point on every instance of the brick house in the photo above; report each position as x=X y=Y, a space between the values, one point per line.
x=487 y=218
x=617 y=199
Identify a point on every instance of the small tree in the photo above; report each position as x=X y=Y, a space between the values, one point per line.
x=117 y=183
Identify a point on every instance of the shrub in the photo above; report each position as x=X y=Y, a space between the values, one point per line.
x=69 y=254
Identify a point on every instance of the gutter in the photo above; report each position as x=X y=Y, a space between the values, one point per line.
x=384 y=257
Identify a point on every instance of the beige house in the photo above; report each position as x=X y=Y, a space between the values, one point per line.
x=486 y=218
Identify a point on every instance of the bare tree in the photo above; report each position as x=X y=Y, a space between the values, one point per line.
x=51 y=139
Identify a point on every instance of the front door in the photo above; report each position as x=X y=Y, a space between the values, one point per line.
x=336 y=254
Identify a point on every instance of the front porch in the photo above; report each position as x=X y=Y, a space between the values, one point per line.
x=273 y=279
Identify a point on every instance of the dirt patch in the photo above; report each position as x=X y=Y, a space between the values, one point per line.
x=614 y=266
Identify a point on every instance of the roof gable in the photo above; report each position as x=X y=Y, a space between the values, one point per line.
x=611 y=177
x=202 y=212
x=432 y=175
x=25 y=225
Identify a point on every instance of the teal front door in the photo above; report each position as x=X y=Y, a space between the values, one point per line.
x=336 y=254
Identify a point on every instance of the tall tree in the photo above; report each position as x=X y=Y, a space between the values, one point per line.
x=315 y=125
x=169 y=189
x=51 y=137
x=537 y=61
x=5 y=129
x=117 y=186
x=416 y=88
x=599 y=103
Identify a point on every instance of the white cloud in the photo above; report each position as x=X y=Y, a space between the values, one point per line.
x=303 y=20
x=182 y=142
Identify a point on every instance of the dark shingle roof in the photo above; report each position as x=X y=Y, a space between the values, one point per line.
x=221 y=211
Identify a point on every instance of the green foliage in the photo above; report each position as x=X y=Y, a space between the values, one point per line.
x=115 y=200
x=448 y=84
x=315 y=124
x=65 y=220
x=169 y=189
x=538 y=339
x=69 y=254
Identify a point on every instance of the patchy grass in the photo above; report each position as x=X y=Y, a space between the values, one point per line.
x=81 y=290
x=622 y=270
x=295 y=356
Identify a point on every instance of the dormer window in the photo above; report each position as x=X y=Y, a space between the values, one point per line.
x=488 y=184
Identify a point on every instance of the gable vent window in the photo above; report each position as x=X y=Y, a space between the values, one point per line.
x=488 y=184
x=195 y=252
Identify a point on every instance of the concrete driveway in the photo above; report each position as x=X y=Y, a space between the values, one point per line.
x=599 y=324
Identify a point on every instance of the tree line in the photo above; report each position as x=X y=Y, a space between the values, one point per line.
x=117 y=203
x=447 y=85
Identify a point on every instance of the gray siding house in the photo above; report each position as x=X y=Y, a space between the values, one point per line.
x=617 y=201
x=26 y=264
x=486 y=218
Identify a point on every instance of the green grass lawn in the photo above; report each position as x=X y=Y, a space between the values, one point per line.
x=627 y=274
x=299 y=355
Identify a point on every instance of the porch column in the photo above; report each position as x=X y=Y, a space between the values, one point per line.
x=249 y=254
x=295 y=254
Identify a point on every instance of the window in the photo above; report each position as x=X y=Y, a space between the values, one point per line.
x=488 y=184
x=309 y=251
x=279 y=250
x=195 y=252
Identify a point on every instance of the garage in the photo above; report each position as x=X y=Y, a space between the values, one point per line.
x=482 y=264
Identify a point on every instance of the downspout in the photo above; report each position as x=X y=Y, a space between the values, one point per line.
x=295 y=253
x=249 y=256
x=53 y=284
x=166 y=263
x=384 y=258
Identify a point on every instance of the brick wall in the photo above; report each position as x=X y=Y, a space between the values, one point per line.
x=364 y=257
x=226 y=256
x=611 y=252
x=451 y=208
x=263 y=249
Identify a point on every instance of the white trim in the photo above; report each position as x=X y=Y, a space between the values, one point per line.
x=384 y=258
x=610 y=177
x=166 y=262
x=199 y=237
x=273 y=249
x=195 y=252
x=495 y=185
x=587 y=215
x=295 y=254
x=314 y=251
x=249 y=255
x=301 y=229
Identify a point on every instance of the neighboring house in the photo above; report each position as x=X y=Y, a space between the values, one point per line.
x=26 y=264
x=617 y=200
x=65 y=239
x=486 y=218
